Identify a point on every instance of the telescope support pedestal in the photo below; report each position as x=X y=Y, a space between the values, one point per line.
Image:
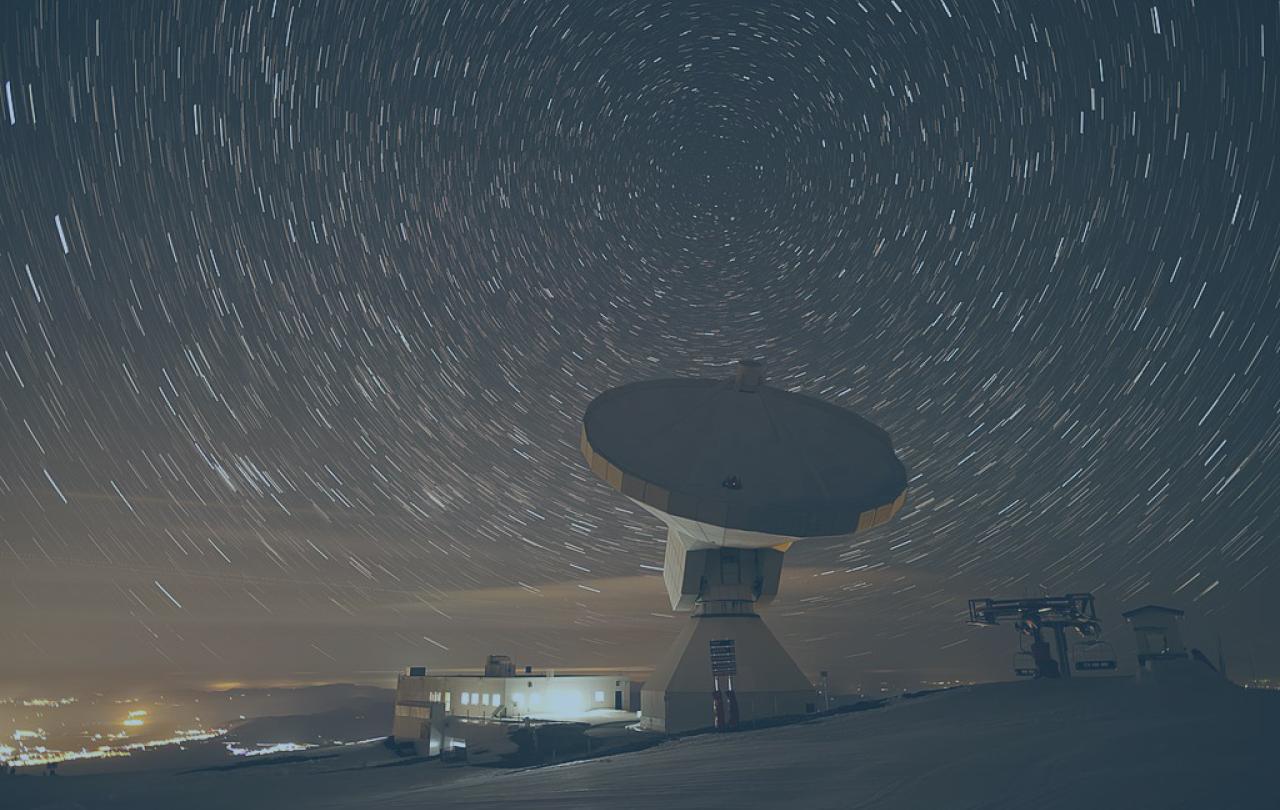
x=726 y=668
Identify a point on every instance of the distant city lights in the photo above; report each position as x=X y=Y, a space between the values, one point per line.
x=135 y=717
x=40 y=755
x=48 y=702
x=240 y=751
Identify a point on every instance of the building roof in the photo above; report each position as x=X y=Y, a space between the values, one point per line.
x=1151 y=609
x=519 y=674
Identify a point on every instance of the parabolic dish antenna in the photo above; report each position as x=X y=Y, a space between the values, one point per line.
x=737 y=470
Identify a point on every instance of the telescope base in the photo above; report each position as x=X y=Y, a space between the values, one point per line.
x=748 y=678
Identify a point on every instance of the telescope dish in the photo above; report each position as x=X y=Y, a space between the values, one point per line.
x=742 y=455
x=737 y=470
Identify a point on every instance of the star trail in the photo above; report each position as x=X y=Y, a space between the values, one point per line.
x=303 y=301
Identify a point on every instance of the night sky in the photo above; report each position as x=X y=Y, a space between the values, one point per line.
x=303 y=302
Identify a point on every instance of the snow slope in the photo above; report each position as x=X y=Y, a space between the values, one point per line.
x=1095 y=743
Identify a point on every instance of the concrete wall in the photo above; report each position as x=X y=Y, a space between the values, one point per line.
x=766 y=680
x=419 y=723
x=678 y=712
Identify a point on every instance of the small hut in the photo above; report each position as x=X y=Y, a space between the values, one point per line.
x=1157 y=633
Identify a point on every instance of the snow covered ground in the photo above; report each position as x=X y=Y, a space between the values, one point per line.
x=1086 y=743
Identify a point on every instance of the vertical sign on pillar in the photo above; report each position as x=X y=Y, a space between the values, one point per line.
x=724 y=665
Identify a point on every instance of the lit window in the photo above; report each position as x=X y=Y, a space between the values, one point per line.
x=485 y=698
x=517 y=699
x=466 y=699
x=599 y=696
x=497 y=699
x=475 y=698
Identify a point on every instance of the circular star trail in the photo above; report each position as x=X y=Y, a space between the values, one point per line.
x=303 y=302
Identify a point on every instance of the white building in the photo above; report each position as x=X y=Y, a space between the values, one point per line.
x=434 y=710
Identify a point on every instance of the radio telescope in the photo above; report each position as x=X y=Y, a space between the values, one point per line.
x=738 y=470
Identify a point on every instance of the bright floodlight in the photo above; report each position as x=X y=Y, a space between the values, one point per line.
x=737 y=470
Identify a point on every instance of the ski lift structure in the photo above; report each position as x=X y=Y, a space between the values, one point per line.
x=1034 y=619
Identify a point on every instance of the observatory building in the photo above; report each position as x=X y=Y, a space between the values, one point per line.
x=437 y=711
x=737 y=470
